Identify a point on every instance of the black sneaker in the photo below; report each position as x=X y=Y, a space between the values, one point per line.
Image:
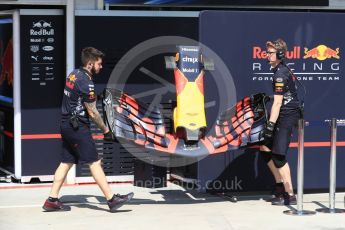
x=286 y=199
x=56 y=206
x=292 y=200
x=277 y=191
x=129 y=196
x=118 y=200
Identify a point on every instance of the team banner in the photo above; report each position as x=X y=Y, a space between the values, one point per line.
x=42 y=73
x=315 y=54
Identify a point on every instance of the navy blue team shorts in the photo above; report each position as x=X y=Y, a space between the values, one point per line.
x=283 y=133
x=78 y=145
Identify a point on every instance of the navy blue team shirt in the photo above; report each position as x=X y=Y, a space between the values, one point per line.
x=79 y=88
x=284 y=83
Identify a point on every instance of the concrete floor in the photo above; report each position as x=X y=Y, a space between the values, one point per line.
x=168 y=208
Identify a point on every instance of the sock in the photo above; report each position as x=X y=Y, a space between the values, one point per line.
x=280 y=184
x=52 y=199
x=111 y=200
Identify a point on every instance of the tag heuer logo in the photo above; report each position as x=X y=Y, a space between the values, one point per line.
x=47 y=48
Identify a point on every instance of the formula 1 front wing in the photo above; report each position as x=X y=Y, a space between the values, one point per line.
x=143 y=125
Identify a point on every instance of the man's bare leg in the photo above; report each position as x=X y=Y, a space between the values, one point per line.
x=271 y=166
x=99 y=176
x=59 y=178
x=286 y=175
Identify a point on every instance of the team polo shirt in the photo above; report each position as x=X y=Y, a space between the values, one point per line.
x=79 y=88
x=284 y=83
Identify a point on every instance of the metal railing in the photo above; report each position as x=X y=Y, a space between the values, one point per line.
x=300 y=172
x=332 y=172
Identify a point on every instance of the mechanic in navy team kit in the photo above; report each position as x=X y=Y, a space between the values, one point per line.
x=78 y=105
x=285 y=112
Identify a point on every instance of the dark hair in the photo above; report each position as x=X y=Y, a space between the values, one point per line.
x=90 y=54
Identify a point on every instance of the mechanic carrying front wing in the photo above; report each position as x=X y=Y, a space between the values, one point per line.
x=285 y=112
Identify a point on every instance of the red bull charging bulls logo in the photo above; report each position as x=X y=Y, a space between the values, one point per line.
x=321 y=53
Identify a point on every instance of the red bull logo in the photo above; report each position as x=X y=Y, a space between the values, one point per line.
x=321 y=53
x=259 y=53
x=70 y=81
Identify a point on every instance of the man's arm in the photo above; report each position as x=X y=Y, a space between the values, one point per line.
x=95 y=116
x=277 y=103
